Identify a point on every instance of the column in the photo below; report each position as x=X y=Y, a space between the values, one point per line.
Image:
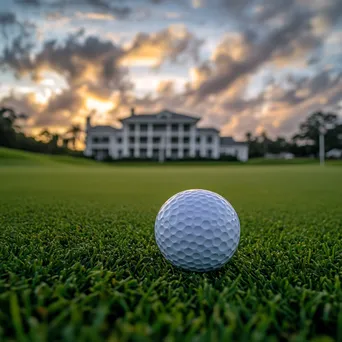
x=168 y=141
x=149 y=140
x=113 y=146
x=203 y=146
x=125 y=140
x=88 y=149
x=192 y=141
x=216 y=147
x=137 y=141
x=180 y=140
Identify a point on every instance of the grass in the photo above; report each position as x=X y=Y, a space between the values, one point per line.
x=11 y=157
x=78 y=260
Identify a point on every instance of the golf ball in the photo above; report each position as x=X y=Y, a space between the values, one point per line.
x=197 y=230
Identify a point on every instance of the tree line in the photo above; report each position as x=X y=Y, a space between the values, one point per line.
x=304 y=143
x=12 y=136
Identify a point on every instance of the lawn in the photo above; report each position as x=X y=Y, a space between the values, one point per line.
x=78 y=259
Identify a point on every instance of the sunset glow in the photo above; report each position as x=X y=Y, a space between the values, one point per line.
x=251 y=67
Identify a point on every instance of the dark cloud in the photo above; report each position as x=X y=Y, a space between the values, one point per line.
x=72 y=59
x=102 y=6
x=7 y=18
x=21 y=103
x=110 y=6
x=29 y=2
x=68 y=101
x=8 y=21
x=59 y=109
x=268 y=9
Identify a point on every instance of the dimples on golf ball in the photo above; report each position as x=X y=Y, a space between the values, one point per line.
x=197 y=230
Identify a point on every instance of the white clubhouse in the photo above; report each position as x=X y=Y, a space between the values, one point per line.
x=163 y=135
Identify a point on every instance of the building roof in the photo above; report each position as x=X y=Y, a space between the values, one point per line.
x=164 y=115
x=208 y=129
x=228 y=141
x=103 y=129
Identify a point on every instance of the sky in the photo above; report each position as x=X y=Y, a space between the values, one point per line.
x=241 y=65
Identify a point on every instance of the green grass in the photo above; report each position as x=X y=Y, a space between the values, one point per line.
x=78 y=260
x=11 y=157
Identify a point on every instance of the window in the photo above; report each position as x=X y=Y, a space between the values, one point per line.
x=209 y=139
x=159 y=127
x=95 y=140
x=186 y=127
x=186 y=140
x=186 y=153
x=198 y=153
x=119 y=140
x=143 y=153
x=131 y=140
x=156 y=139
x=155 y=153
x=105 y=139
x=143 y=140
x=174 y=140
x=198 y=139
x=131 y=152
x=143 y=128
x=174 y=153
x=105 y=153
x=131 y=127
x=119 y=153
x=101 y=154
x=174 y=127
x=210 y=153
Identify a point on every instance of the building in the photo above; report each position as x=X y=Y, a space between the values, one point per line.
x=335 y=153
x=164 y=135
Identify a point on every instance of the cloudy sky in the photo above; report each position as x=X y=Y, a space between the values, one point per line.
x=242 y=65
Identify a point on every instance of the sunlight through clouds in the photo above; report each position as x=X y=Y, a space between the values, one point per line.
x=240 y=65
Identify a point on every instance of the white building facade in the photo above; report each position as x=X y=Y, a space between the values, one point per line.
x=164 y=135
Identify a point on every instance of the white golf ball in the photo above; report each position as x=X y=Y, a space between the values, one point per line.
x=197 y=230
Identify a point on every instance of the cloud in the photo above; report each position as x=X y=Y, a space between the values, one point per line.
x=101 y=6
x=24 y=103
x=8 y=22
x=79 y=59
x=274 y=36
x=174 y=44
x=92 y=70
x=280 y=109
x=7 y=18
x=166 y=88
x=88 y=65
x=95 y=16
x=29 y=2
x=244 y=53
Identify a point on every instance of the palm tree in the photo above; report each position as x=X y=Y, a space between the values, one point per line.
x=75 y=131
x=46 y=134
x=7 y=127
x=65 y=142
x=8 y=119
x=248 y=137
x=55 y=139
x=265 y=141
